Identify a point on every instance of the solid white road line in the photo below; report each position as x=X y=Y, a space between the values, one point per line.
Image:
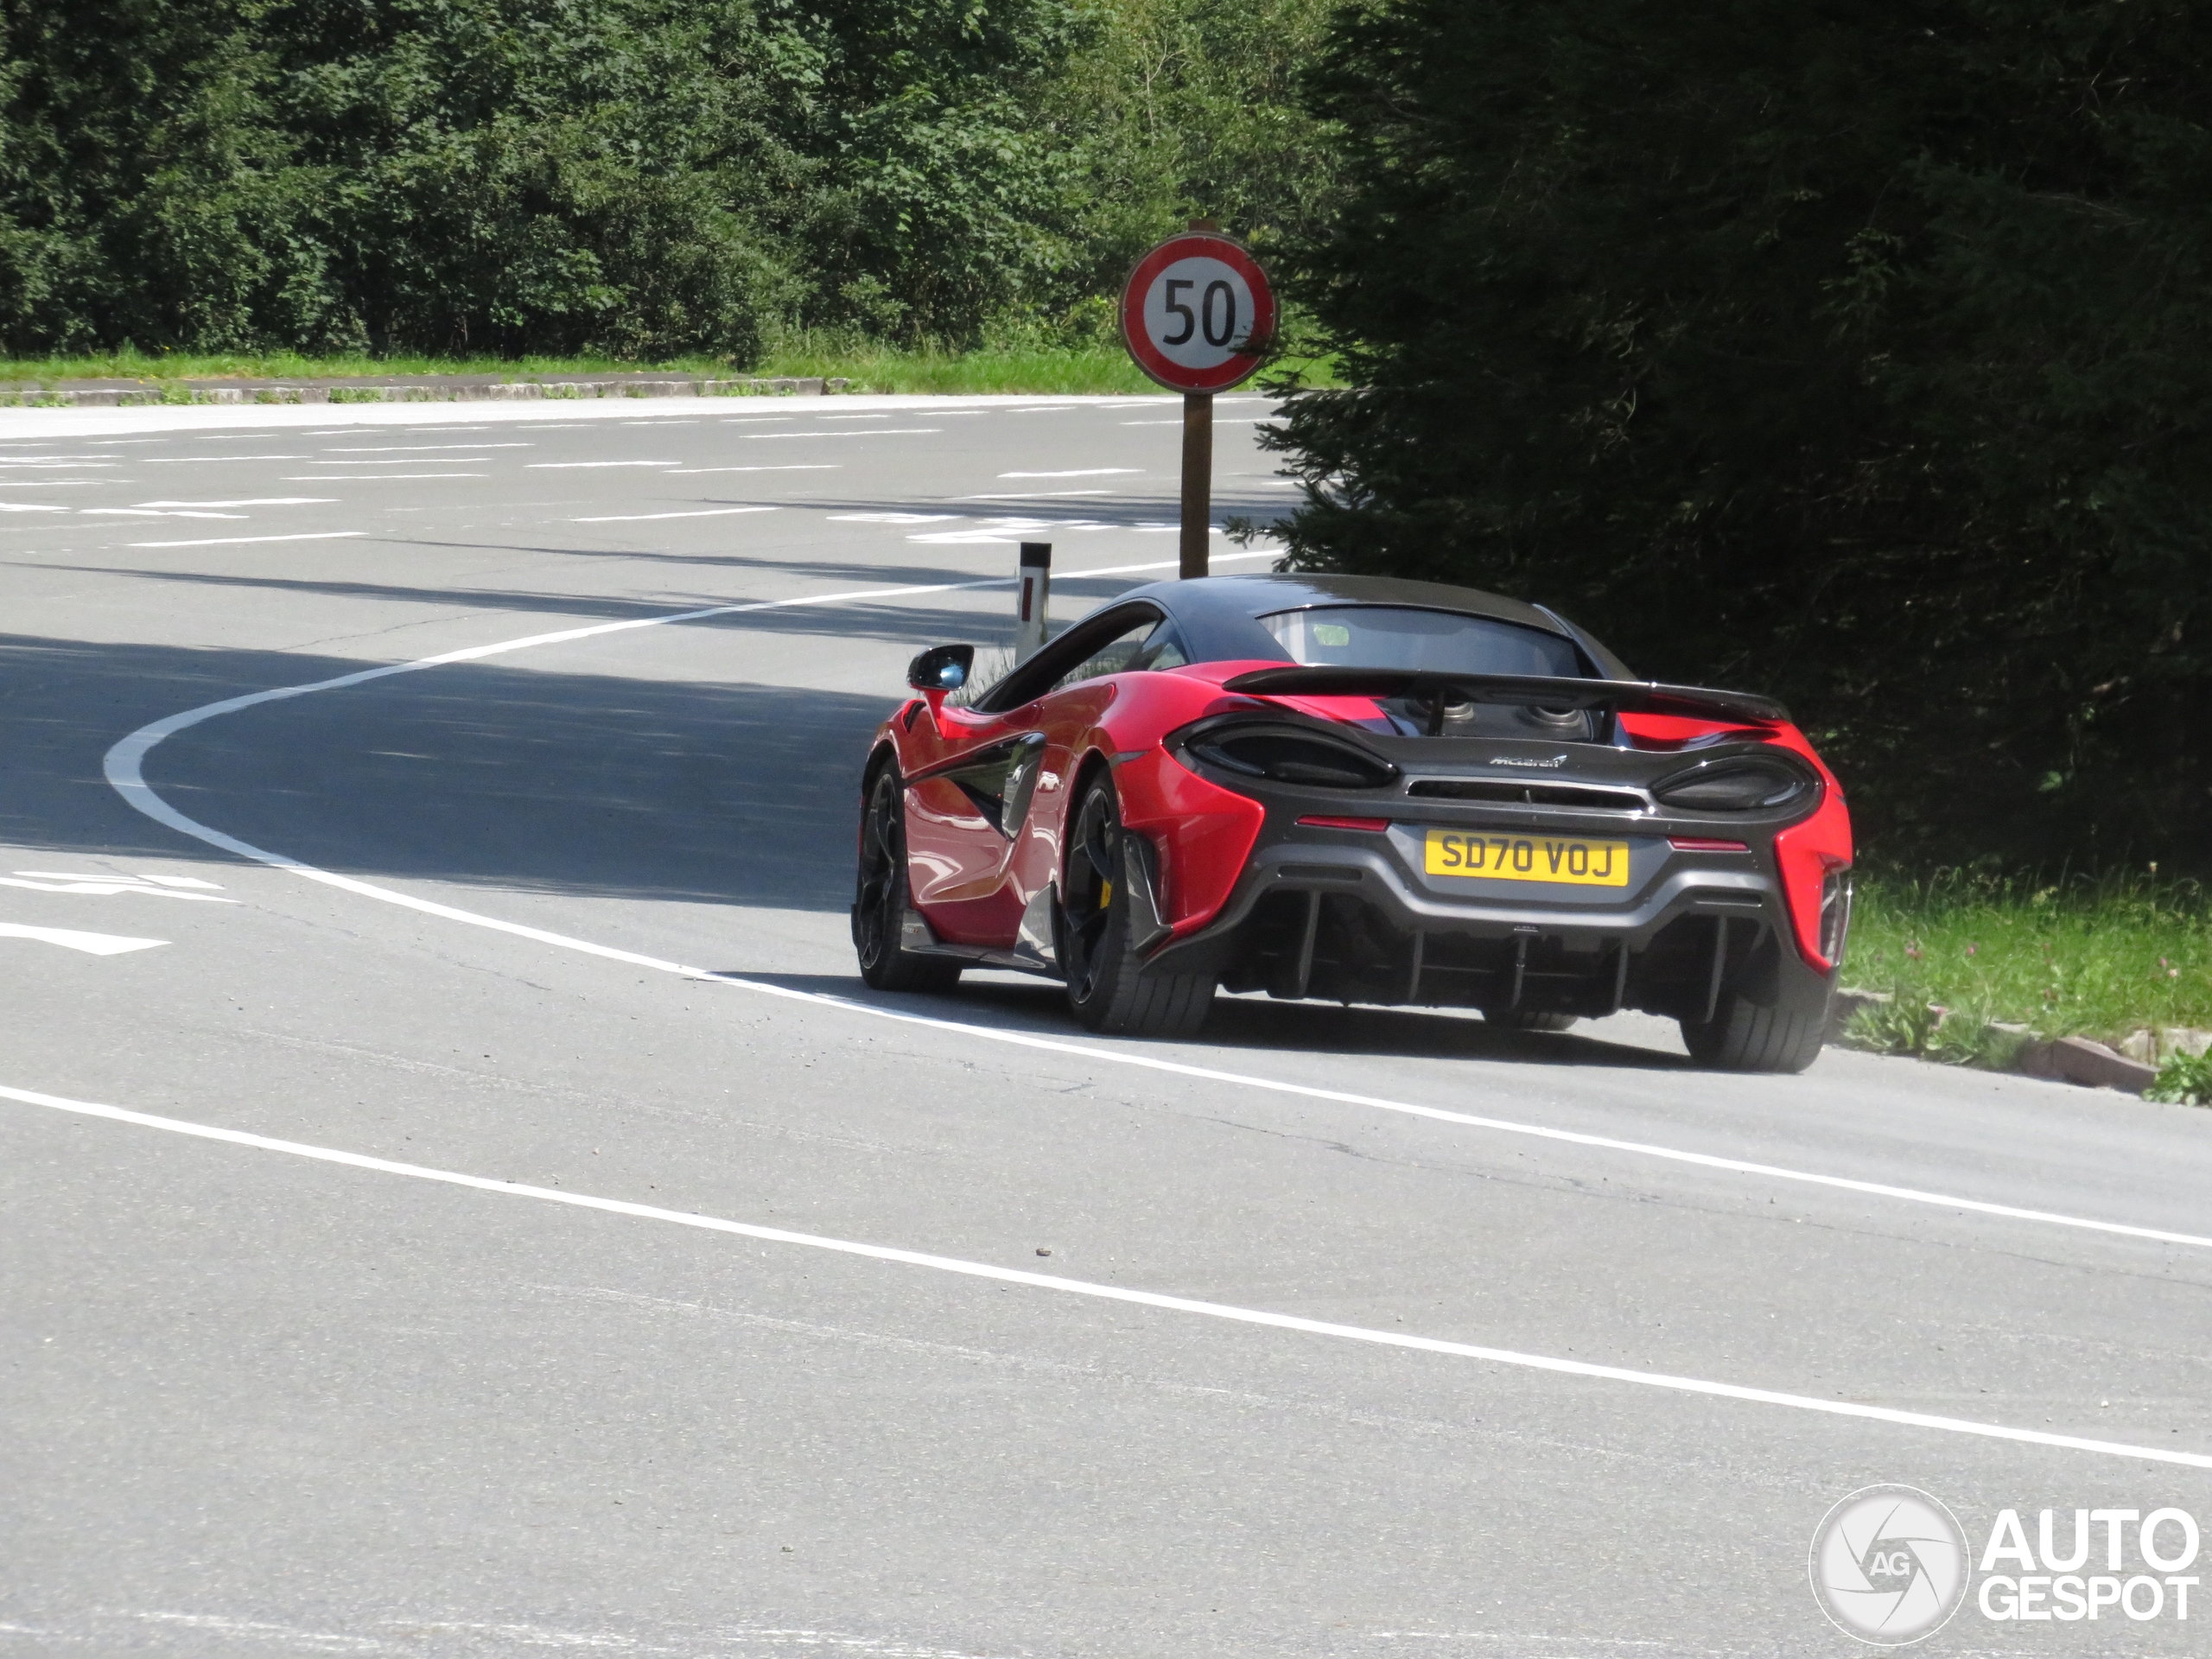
x=1117 y=1292
x=241 y=541
x=92 y=944
x=253 y=501
x=125 y=769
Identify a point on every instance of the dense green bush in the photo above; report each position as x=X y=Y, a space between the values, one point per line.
x=630 y=176
x=639 y=178
x=1858 y=351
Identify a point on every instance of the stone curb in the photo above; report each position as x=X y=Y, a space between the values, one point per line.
x=2064 y=1059
x=429 y=389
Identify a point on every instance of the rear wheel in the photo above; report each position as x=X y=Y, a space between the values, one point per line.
x=1107 y=988
x=880 y=902
x=1744 y=1037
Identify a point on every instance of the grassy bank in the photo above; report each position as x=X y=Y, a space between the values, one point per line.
x=2067 y=955
x=1051 y=370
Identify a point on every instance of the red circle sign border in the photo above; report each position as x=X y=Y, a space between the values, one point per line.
x=1211 y=244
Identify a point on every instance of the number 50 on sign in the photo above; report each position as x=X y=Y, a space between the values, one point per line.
x=1197 y=313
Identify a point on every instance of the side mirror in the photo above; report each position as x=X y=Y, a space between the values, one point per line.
x=941 y=668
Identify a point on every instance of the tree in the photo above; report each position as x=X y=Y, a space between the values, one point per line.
x=1861 y=351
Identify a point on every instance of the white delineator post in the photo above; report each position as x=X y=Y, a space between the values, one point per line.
x=1035 y=590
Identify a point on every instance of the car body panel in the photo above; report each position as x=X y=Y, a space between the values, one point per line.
x=1237 y=859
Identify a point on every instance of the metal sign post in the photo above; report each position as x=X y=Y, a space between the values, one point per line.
x=1197 y=314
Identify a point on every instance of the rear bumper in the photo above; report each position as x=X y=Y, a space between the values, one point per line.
x=1345 y=915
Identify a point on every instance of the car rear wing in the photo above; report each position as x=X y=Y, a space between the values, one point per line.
x=1524 y=690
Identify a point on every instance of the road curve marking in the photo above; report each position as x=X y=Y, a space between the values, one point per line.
x=1118 y=1292
x=124 y=768
x=92 y=944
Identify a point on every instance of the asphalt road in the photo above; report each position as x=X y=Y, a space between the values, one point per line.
x=570 y=916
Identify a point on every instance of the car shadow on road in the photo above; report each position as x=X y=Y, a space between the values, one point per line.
x=1253 y=1024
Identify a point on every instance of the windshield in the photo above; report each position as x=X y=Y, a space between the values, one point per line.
x=1389 y=636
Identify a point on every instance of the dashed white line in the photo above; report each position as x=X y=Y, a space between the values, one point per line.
x=241 y=541
x=578 y=465
x=636 y=517
x=876 y=432
x=1090 y=1288
x=92 y=944
x=787 y=466
x=253 y=501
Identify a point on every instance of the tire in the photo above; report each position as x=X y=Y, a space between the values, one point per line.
x=1108 y=989
x=1529 y=1019
x=881 y=900
x=1744 y=1037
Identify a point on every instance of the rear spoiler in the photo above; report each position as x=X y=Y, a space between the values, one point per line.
x=1524 y=690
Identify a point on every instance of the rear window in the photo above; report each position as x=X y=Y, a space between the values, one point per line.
x=1391 y=636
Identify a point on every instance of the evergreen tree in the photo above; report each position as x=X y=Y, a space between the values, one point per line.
x=1858 y=351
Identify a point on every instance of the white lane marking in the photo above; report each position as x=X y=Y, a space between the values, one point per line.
x=452 y=461
x=794 y=466
x=103 y=887
x=240 y=540
x=637 y=518
x=411 y=448
x=1080 y=471
x=253 y=501
x=369 y=478
x=893 y=518
x=24 y=507
x=198 y=460
x=123 y=767
x=147 y=512
x=102 y=876
x=573 y=466
x=92 y=944
x=1114 y=1293
x=1032 y=495
x=877 y=432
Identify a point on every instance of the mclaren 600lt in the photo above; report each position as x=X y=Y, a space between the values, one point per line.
x=1358 y=790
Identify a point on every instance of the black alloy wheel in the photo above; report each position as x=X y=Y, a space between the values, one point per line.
x=880 y=901
x=1107 y=988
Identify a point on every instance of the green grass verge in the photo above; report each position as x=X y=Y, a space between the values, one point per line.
x=1051 y=370
x=2094 y=957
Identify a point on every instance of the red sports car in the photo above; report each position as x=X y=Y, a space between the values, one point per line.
x=1358 y=790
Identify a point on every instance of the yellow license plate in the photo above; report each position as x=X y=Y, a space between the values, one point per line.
x=1528 y=858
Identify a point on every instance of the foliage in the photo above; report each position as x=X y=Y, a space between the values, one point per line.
x=626 y=177
x=2183 y=1080
x=2099 y=958
x=1180 y=109
x=1858 y=351
x=630 y=179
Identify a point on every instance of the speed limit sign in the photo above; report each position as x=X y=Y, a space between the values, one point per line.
x=1197 y=312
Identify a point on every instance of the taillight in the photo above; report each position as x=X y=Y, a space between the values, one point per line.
x=1735 y=784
